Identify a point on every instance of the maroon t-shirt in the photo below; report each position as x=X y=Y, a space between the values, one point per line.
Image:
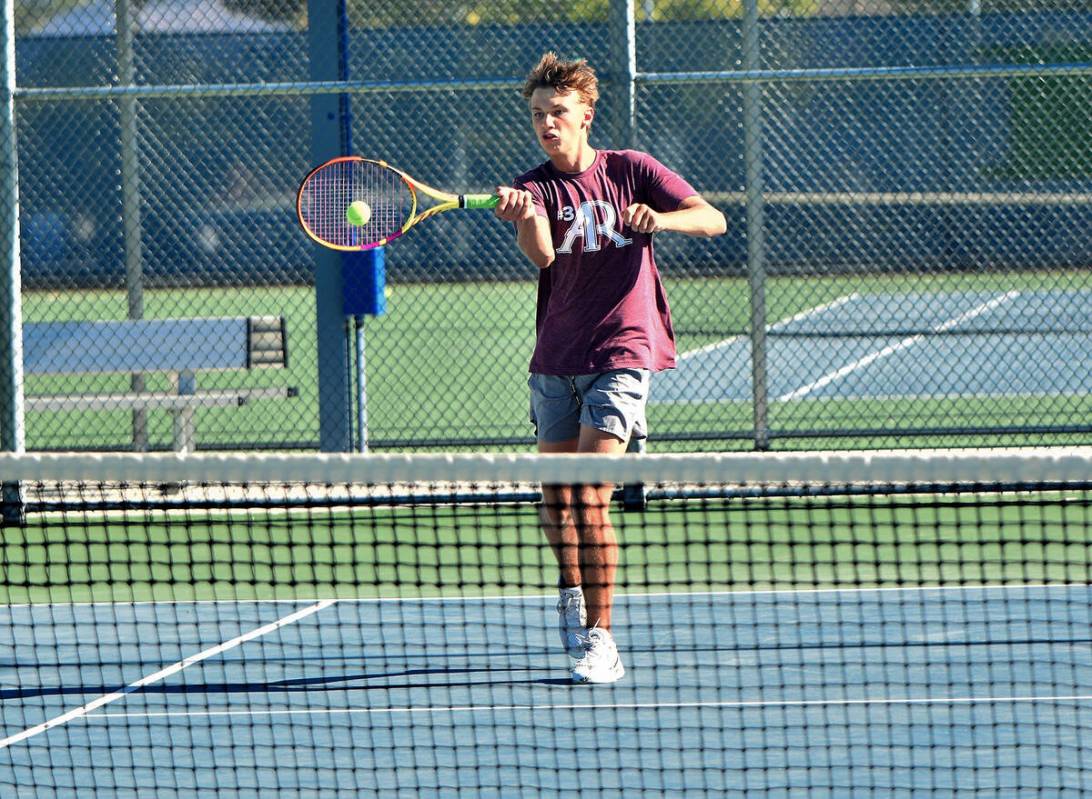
x=601 y=303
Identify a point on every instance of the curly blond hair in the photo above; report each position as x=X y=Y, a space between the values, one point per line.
x=563 y=76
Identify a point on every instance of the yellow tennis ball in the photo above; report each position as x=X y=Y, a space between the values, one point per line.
x=358 y=213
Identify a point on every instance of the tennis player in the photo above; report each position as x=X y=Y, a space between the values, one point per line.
x=587 y=218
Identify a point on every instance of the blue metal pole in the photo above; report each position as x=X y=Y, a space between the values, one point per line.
x=324 y=43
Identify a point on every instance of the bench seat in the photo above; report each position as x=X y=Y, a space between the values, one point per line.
x=178 y=347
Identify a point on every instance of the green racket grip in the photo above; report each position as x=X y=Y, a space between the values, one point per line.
x=478 y=200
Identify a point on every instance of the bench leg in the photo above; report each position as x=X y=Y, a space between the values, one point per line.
x=139 y=417
x=185 y=437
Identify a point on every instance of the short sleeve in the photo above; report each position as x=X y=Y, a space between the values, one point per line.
x=663 y=187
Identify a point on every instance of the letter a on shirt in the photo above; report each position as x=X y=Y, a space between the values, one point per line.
x=586 y=227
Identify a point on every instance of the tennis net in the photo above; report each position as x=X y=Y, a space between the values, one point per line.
x=812 y=624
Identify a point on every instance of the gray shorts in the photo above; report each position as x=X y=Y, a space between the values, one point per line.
x=613 y=402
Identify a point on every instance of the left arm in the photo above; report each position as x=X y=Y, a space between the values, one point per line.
x=694 y=217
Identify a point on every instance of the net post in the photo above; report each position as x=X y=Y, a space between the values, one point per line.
x=634 y=495
x=13 y=509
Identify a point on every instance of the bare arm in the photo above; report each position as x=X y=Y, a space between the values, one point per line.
x=533 y=237
x=532 y=230
x=694 y=217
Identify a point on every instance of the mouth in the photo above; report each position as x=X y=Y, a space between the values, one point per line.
x=550 y=138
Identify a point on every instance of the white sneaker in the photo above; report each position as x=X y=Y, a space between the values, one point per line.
x=601 y=663
x=572 y=621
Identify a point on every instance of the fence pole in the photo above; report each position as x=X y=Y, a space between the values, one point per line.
x=12 y=431
x=130 y=196
x=324 y=43
x=623 y=70
x=756 y=245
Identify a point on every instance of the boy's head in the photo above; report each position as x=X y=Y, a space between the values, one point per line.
x=562 y=97
x=563 y=77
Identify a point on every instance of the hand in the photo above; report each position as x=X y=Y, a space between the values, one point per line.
x=515 y=205
x=642 y=219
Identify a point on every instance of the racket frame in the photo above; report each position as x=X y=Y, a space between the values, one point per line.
x=446 y=201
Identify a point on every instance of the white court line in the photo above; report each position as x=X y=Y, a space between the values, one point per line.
x=452 y=709
x=891 y=349
x=174 y=668
x=553 y=597
x=1076 y=392
x=818 y=309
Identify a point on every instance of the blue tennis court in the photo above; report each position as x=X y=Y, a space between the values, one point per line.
x=817 y=693
x=928 y=344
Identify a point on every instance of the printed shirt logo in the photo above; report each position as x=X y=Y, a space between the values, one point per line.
x=584 y=226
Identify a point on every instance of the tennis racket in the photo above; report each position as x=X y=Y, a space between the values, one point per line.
x=390 y=195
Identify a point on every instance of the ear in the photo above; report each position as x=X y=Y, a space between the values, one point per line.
x=589 y=115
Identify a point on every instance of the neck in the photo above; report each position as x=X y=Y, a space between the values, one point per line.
x=578 y=161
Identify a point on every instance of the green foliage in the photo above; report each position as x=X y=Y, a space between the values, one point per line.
x=474 y=12
x=1050 y=117
x=693 y=10
x=270 y=10
x=31 y=14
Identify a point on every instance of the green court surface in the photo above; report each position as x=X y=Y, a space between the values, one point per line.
x=484 y=549
x=446 y=369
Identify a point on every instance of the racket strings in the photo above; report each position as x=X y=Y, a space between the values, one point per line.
x=327 y=193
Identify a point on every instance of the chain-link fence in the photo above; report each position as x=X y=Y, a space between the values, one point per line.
x=908 y=187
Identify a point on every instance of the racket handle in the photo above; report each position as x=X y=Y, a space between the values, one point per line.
x=478 y=200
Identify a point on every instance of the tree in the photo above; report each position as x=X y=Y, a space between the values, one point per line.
x=290 y=11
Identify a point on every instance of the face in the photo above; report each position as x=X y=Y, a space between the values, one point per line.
x=561 y=121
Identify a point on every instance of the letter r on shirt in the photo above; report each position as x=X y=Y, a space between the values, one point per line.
x=586 y=227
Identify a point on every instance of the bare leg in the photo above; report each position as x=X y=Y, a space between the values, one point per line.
x=576 y=522
x=598 y=543
x=558 y=522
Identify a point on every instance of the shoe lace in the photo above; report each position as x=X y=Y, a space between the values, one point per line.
x=568 y=603
x=565 y=602
x=593 y=651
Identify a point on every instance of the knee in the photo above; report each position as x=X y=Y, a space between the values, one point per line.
x=555 y=514
x=592 y=507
